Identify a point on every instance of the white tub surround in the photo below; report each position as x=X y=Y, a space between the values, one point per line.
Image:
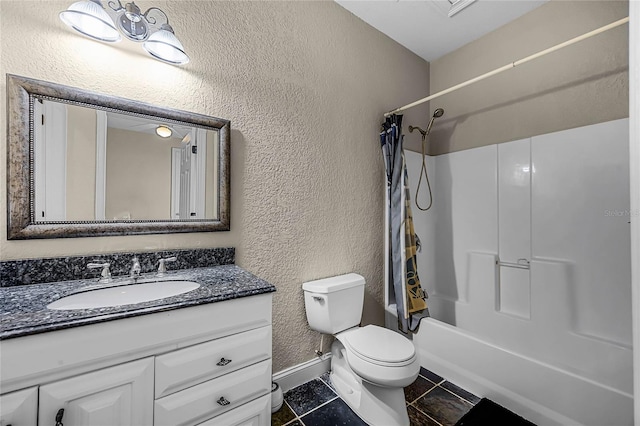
x=554 y=210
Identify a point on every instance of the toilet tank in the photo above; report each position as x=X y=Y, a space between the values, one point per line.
x=334 y=304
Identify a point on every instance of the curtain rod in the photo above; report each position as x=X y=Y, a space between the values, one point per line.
x=511 y=65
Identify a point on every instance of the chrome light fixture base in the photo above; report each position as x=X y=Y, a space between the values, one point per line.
x=92 y=19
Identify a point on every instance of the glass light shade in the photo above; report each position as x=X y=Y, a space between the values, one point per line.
x=164 y=131
x=164 y=45
x=90 y=19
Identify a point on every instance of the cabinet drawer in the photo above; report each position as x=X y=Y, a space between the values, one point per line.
x=196 y=364
x=210 y=399
x=254 y=413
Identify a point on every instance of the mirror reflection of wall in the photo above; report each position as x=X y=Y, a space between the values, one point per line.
x=138 y=178
x=92 y=164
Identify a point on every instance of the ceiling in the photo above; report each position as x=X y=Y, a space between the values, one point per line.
x=143 y=125
x=423 y=26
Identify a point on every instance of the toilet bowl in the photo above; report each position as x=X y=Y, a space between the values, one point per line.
x=370 y=365
x=380 y=356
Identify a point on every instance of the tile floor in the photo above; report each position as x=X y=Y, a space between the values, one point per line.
x=431 y=401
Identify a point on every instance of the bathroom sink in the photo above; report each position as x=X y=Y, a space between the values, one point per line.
x=123 y=295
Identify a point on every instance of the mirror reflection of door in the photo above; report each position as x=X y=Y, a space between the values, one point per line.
x=176 y=161
x=189 y=173
x=185 y=177
x=50 y=149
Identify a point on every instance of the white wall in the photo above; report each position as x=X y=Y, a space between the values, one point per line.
x=561 y=201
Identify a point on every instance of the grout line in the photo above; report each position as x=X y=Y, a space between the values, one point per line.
x=324 y=381
x=436 y=383
x=328 y=385
x=422 y=412
x=456 y=395
x=321 y=405
x=297 y=417
x=430 y=389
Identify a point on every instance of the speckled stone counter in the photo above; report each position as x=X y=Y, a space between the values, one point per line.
x=23 y=309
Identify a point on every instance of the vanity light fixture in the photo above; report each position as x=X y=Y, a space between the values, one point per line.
x=92 y=19
x=164 y=131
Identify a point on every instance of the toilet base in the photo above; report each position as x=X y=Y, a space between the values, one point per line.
x=376 y=405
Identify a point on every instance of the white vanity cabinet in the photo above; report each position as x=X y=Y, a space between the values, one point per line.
x=208 y=364
x=19 y=408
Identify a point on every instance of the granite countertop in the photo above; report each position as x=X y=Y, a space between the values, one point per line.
x=23 y=309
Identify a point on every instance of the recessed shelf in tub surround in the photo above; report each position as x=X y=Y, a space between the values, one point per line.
x=36 y=271
x=23 y=308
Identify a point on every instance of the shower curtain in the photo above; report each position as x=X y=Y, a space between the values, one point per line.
x=402 y=265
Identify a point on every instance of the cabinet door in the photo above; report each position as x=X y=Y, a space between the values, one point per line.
x=19 y=408
x=114 y=396
x=254 y=413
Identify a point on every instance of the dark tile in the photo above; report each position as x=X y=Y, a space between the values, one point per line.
x=462 y=393
x=282 y=416
x=417 y=418
x=296 y=423
x=308 y=396
x=327 y=379
x=430 y=375
x=443 y=406
x=418 y=388
x=335 y=413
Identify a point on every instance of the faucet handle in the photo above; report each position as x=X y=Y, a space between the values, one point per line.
x=162 y=268
x=105 y=274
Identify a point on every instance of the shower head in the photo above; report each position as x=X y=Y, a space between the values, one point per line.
x=439 y=112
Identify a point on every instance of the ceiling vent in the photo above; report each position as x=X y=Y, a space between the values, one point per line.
x=458 y=5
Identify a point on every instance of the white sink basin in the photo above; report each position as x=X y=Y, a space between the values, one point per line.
x=123 y=295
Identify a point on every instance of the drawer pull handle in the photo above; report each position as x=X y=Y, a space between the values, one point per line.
x=59 y=416
x=223 y=362
x=222 y=401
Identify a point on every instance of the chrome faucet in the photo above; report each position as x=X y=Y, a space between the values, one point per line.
x=135 y=269
x=106 y=273
x=162 y=267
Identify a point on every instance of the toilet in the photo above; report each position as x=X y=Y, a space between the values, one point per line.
x=370 y=365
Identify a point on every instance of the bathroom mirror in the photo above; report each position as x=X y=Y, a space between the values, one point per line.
x=83 y=164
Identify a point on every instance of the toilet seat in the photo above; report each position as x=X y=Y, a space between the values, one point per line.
x=393 y=364
x=380 y=346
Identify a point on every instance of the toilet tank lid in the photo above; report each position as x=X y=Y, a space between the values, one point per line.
x=331 y=284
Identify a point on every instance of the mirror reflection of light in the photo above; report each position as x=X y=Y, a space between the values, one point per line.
x=164 y=131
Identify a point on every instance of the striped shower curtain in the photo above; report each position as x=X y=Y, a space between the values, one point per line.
x=402 y=265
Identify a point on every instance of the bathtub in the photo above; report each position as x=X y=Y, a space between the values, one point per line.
x=543 y=394
x=525 y=258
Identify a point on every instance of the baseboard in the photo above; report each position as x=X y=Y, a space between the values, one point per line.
x=298 y=374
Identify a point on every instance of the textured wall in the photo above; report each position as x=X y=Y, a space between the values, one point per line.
x=582 y=84
x=304 y=85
